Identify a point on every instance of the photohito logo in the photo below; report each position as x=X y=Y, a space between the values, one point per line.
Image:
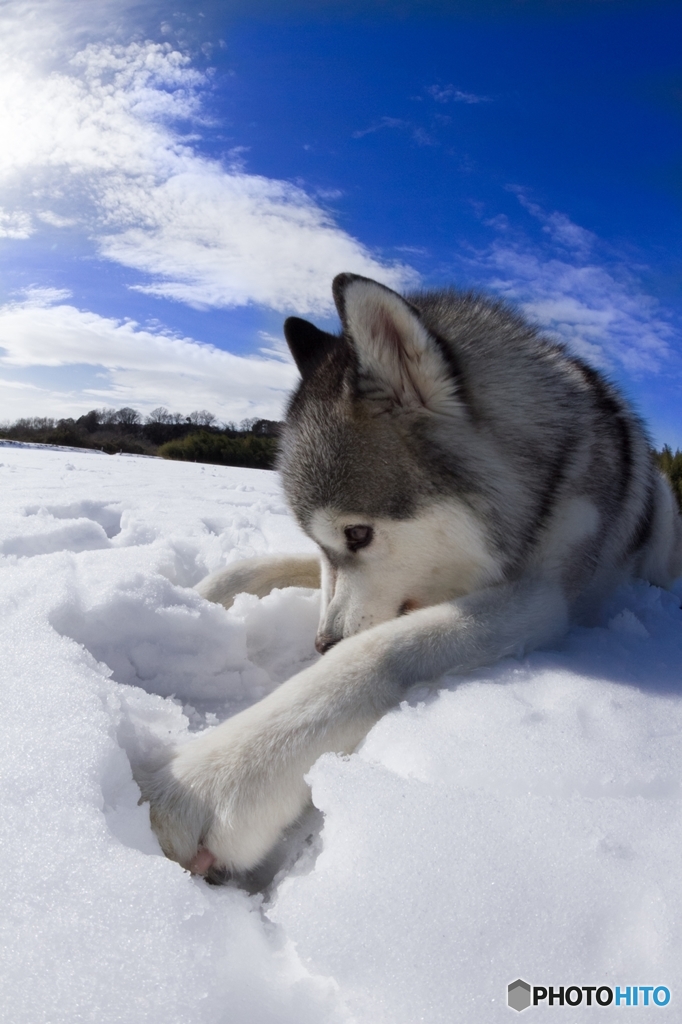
x=521 y=995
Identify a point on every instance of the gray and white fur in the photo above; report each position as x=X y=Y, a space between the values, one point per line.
x=472 y=487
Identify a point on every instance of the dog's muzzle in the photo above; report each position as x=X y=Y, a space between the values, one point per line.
x=323 y=642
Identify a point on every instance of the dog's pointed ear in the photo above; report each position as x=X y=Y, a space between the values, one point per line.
x=399 y=359
x=307 y=343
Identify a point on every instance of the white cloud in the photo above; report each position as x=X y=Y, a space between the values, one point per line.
x=592 y=311
x=212 y=239
x=95 y=140
x=98 y=142
x=46 y=29
x=45 y=296
x=448 y=94
x=15 y=225
x=597 y=308
x=54 y=220
x=136 y=367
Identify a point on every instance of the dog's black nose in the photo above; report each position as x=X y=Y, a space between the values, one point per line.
x=323 y=642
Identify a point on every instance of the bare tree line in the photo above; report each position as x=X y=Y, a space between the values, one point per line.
x=198 y=436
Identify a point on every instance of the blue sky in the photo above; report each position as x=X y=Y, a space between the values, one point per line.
x=175 y=179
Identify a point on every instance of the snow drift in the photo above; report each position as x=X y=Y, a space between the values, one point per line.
x=524 y=821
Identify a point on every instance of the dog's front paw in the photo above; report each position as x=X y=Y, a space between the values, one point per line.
x=221 y=801
x=180 y=809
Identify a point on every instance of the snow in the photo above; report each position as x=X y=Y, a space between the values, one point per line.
x=4 y=443
x=522 y=822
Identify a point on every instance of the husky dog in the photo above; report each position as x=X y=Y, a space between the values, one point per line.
x=472 y=488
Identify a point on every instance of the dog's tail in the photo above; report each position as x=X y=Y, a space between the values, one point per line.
x=259 y=576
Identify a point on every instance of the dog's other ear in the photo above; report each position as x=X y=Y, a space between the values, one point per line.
x=400 y=362
x=307 y=343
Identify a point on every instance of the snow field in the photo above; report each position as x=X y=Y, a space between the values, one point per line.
x=523 y=822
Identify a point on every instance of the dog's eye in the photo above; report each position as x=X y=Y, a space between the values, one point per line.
x=358 y=536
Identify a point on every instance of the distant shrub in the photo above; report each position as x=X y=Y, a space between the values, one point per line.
x=125 y=445
x=671 y=465
x=198 y=437
x=245 y=450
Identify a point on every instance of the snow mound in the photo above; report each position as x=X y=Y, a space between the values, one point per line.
x=5 y=443
x=523 y=822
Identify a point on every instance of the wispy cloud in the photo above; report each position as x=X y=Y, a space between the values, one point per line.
x=377 y=126
x=449 y=94
x=590 y=300
x=131 y=365
x=102 y=141
x=416 y=132
x=559 y=228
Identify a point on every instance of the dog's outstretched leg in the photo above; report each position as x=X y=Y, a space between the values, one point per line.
x=224 y=798
x=259 y=576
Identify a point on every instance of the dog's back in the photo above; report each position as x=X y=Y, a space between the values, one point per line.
x=564 y=432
